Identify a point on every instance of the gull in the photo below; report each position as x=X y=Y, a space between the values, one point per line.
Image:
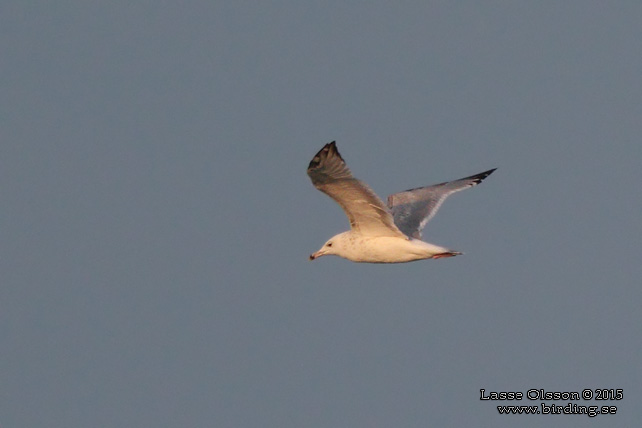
x=380 y=233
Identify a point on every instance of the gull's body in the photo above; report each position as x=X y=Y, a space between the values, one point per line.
x=381 y=249
x=380 y=234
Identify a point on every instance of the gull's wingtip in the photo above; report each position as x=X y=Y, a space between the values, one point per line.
x=329 y=150
x=487 y=173
x=332 y=145
x=478 y=178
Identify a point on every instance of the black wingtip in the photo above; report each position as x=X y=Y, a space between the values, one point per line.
x=478 y=178
x=328 y=150
x=489 y=172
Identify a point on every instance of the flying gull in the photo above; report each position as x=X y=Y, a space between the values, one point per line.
x=380 y=233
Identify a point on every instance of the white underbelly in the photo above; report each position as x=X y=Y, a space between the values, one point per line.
x=386 y=249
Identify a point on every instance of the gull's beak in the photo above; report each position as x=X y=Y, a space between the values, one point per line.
x=316 y=255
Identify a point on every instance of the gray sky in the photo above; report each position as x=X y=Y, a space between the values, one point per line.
x=157 y=217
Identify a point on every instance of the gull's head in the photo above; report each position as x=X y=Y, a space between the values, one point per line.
x=334 y=246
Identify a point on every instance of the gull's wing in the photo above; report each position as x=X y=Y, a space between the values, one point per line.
x=413 y=208
x=366 y=212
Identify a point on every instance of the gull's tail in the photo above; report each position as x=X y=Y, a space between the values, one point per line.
x=446 y=254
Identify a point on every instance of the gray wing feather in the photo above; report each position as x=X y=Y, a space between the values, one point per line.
x=367 y=213
x=413 y=208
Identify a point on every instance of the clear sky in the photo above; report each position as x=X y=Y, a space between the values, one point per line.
x=157 y=217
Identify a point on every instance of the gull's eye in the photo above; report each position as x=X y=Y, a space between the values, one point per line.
x=329 y=244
